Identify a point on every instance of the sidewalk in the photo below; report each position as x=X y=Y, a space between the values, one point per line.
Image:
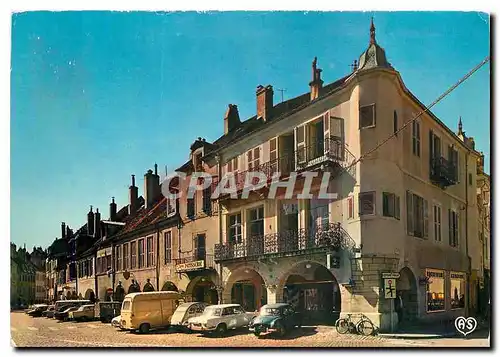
x=419 y=330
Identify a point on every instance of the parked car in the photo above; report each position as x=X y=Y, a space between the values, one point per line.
x=84 y=313
x=37 y=310
x=63 y=315
x=220 y=318
x=107 y=310
x=50 y=310
x=115 y=321
x=186 y=311
x=277 y=318
x=148 y=310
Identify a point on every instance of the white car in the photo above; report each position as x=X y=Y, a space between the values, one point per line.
x=115 y=321
x=220 y=318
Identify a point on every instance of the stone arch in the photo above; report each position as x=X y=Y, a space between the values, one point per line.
x=202 y=288
x=169 y=286
x=311 y=288
x=134 y=287
x=407 y=286
x=247 y=285
x=90 y=295
x=148 y=286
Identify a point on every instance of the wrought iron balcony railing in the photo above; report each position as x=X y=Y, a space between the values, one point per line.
x=443 y=172
x=331 y=236
x=330 y=150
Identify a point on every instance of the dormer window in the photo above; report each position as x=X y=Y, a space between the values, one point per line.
x=197 y=161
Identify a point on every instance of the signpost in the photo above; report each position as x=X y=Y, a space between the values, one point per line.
x=390 y=289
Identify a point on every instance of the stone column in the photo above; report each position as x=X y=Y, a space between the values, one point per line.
x=271 y=293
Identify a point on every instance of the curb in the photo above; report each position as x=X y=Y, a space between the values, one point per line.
x=417 y=336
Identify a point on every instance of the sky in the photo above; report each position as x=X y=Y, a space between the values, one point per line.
x=98 y=96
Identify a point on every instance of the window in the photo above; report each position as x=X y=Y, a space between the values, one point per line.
x=108 y=262
x=417 y=215
x=434 y=146
x=199 y=247
x=125 y=257
x=141 y=253
x=151 y=256
x=133 y=255
x=350 y=207
x=235 y=228
x=191 y=206
x=453 y=228
x=453 y=158
x=435 y=290
x=168 y=247
x=118 y=258
x=253 y=157
x=395 y=123
x=207 y=200
x=91 y=268
x=366 y=203
x=198 y=162
x=256 y=222
x=457 y=290
x=416 y=138
x=273 y=155
x=437 y=223
x=367 y=116
x=390 y=205
x=232 y=165
x=470 y=179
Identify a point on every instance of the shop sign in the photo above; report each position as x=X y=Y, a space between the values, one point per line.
x=196 y=265
x=391 y=275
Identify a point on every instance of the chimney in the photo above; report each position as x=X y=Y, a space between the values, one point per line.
x=90 y=222
x=63 y=230
x=231 y=119
x=264 y=102
x=97 y=224
x=133 y=197
x=151 y=187
x=316 y=82
x=112 y=210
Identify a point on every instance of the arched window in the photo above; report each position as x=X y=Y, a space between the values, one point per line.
x=395 y=123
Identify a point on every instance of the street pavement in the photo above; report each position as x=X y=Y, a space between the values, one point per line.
x=27 y=331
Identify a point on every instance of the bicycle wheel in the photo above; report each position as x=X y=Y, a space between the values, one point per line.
x=342 y=326
x=365 y=328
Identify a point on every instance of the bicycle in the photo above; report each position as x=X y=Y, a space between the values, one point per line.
x=363 y=327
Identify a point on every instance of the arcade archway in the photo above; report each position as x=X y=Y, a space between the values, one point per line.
x=407 y=286
x=90 y=295
x=169 y=286
x=202 y=288
x=314 y=291
x=247 y=288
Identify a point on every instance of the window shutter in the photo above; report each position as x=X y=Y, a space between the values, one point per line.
x=385 y=204
x=409 y=212
x=300 y=144
x=456 y=227
x=397 y=208
x=432 y=153
x=230 y=166
x=450 y=227
x=426 y=218
x=249 y=159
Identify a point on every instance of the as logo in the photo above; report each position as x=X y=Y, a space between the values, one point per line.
x=465 y=326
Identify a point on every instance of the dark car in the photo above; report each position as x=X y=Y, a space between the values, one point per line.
x=49 y=311
x=63 y=313
x=37 y=310
x=278 y=318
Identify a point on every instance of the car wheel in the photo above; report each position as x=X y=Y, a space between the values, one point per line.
x=144 y=328
x=221 y=329
x=280 y=329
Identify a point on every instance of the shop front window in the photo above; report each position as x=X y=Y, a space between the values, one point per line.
x=435 y=290
x=457 y=287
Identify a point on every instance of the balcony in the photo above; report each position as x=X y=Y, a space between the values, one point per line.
x=330 y=151
x=286 y=243
x=193 y=262
x=443 y=172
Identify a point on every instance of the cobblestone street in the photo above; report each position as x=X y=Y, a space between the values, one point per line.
x=41 y=332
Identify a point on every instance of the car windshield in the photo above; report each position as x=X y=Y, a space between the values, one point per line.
x=270 y=311
x=212 y=311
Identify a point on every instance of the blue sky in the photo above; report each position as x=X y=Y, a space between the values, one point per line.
x=98 y=96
